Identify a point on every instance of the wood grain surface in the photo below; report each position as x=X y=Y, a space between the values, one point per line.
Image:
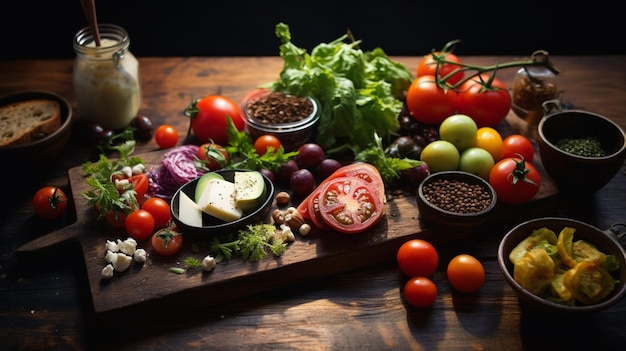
x=341 y=301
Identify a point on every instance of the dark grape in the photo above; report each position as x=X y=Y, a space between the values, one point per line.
x=302 y=182
x=143 y=128
x=99 y=134
x=268 y=173
x=309 y=155
x=284 y=171
x=328 y=167
x=416 y=174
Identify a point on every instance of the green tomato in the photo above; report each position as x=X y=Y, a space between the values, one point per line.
x=477 y=161
x=460 y=130
x=441 y=155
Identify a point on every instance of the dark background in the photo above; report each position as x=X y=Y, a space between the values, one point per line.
x=45 y=29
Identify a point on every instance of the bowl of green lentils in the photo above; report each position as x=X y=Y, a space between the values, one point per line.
x=582 y=151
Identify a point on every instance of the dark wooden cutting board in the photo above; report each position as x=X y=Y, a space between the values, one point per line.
x=316 y=255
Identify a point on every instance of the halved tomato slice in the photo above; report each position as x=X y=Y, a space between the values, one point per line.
x=350 y=204
x=140 y=184
x=365 y=171
x=313 y=210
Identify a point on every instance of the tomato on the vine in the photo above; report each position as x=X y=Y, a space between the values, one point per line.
x=139 y=224
x=209 y=123
x=515 y=180
x=465 y=273
x=167 y=241
x=214 y=156
x=486 y=102
x=166 y=136
x=49 y=202
x=428 y=66
x=420 y=292
x=417 y=257
x=428 y=103
x=262 y=143
x=515 y=145
x=350 y=205
x=159 y=209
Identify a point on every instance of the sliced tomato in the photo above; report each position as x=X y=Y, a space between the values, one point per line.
x=140 y=184
x=313 y=210
x=350 y=204
x=365 y=171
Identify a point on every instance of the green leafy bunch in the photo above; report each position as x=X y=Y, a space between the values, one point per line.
x=252 y=243
x=360 y=92
x=243 y=153
x=103 y=192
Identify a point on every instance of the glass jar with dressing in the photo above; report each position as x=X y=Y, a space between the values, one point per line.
x=106 y=77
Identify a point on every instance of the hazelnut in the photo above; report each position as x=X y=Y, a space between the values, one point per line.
x=294 y=219
x=282 y=198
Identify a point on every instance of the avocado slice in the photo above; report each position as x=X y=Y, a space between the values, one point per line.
x=202 y=182
x=249 y=190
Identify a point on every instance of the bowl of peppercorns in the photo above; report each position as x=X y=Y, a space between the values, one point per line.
x=292 y=119
x=582 y=151
x=455 y=203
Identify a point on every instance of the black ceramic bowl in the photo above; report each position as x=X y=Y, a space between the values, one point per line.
x=453 y=223
x=579 y=174
x=212 y=225
x=605 y=241
x=46 y=149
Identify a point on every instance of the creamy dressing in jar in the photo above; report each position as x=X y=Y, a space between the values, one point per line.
x=106 y=78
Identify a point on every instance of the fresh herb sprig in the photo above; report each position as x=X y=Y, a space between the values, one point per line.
x=243 y=155
x=103 y=193
x=253 y=243
x=388 y=167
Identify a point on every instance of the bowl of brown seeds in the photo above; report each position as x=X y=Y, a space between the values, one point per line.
x=455 y=202
x=292 y=119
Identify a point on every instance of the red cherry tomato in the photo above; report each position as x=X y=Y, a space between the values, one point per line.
x=116 y=219
x=214 y=156
x=167 y=241
x=49 y=202
x=465 y=273
x=515 y=180
x=420 y=292
x=428 y=66
x=262 y=143
x=350 y=205
x=417 y=257
x=159 y=209
x=210 y=122
x=487 y=103
x=139 y=224
x=166 y=136
x=515 y=145
x=428 y=103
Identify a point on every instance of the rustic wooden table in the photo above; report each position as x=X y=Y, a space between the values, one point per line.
x=46 y=303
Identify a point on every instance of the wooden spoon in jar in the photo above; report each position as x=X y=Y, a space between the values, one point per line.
x=89 y=7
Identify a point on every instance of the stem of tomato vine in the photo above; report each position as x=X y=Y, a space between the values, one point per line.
x=539 y=58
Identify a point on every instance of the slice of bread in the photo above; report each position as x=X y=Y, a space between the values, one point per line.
x=26 y=121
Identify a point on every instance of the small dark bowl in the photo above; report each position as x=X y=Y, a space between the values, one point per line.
x=213 y=226
x=604 y=241
x=451 y=223
x=46 y=149
x=578 y=174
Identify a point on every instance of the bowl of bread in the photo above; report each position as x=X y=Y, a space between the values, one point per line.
x=34 y=126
